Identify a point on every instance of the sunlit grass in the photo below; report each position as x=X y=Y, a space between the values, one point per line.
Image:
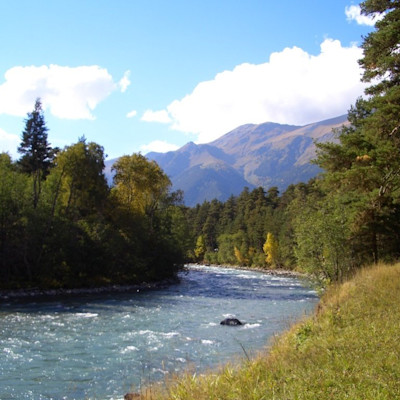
x=350 y=349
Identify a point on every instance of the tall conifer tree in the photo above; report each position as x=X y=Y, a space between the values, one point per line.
x=37 y=153
x=364 y=168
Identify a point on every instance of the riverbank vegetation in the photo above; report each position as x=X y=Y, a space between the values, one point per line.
x=347 y=350
x=62 y=226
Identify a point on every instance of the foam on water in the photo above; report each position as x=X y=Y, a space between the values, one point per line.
x=251 y=326
x=87 y=315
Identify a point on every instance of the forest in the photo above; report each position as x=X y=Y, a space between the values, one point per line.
x=61 y=225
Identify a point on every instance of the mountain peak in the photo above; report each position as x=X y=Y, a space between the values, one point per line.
x=190 y=146
x=252 y=155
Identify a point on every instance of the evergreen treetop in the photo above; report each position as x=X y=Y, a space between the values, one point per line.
x=35 y=149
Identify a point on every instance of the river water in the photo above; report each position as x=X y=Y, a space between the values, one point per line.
x=102 y=346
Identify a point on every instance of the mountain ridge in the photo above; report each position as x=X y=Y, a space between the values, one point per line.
x=252 y=155
x=267 y=154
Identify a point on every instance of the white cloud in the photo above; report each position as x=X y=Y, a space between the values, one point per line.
x=9 y=143
x=131 y=114
x=293 y=87
x=156 y=116
x=69 y=92
x=125 y=81
x=353 y=13
x=159 y=146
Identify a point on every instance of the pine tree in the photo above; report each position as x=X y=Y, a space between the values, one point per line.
x=36 y=151
x=381 y=61
x=364 y=168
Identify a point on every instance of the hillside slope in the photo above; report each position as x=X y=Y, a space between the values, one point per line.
x=264 y=155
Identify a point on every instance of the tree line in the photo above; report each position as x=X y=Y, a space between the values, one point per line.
x=61 y=225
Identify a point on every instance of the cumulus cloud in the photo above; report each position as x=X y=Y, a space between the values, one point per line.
x=156 y=116
x=353 y=13
x=9 y=143
x=125 y=81
x=69 y=92
x=159 y=146
x=131 y=114
x=293 y=87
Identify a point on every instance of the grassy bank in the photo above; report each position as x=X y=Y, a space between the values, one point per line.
x=350 y=349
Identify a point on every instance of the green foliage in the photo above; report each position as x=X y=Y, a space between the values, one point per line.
x=36 y=151
x=78 y=232
x=226 y=247
x=15 y=202
x=241 y=222
x=363 y=169
x=322 y=237
x=200 y=249
x=179 y=230
x=140 y=184
x=79 y=173
x=381 y=59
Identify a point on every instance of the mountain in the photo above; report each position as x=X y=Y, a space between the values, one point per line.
x=266 y=155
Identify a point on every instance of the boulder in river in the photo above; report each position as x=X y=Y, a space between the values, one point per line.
x=231 y=322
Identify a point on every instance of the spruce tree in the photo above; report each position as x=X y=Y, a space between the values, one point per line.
x=37 y=153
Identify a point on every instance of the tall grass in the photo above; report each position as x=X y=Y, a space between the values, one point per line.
x=350 y=349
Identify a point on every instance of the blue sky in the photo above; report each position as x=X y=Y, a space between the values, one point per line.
x=136 y=76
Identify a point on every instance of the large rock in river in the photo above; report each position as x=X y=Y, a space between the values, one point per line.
x=231 y=322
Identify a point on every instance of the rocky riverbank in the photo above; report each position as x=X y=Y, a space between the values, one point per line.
x=37 y=292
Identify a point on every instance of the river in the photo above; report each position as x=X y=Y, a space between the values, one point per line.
x=102 y=346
